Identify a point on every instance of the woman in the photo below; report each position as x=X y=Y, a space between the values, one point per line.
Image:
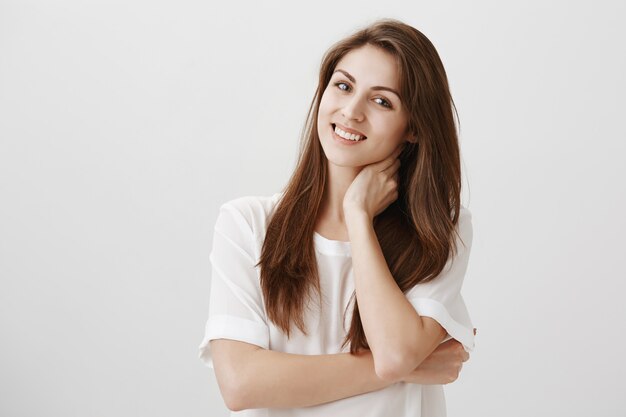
x=333 y=297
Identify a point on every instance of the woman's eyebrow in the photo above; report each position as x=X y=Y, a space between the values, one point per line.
x=378 y=87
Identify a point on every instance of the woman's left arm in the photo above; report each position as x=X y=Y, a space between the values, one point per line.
x=398 y=337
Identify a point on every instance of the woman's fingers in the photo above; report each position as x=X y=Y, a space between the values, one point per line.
x=391 y=159
x=395 y=154
x=393 y=167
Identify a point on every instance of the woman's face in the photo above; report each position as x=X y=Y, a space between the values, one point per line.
x=362 y=98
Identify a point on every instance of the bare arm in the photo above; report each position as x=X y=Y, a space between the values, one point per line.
x=251 y=377
x=398 y=336
x=442 y=366
x=400 y=339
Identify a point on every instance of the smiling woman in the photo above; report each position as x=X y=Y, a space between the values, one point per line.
x=371 y=223
x=362 y=93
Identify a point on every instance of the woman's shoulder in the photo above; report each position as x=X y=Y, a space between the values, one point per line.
x=464 y=225
x=464 y=213
x=252 y=204
x=254 y=209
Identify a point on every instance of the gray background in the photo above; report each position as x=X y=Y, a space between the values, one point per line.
x=125 y=124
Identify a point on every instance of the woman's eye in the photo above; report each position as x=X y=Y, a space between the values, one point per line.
x=341 y=83
x=385 y=103
x=382 y=102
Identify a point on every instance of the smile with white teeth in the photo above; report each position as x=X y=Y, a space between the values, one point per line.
x=349 y=136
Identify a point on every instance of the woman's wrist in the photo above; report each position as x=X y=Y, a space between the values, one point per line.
x=356 y=217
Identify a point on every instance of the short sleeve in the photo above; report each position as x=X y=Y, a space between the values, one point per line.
x=441 y=298
x=236 y=309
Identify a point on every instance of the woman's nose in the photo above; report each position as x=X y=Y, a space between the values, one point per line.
x=352 y=109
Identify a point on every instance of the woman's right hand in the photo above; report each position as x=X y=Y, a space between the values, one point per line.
x=442 y=366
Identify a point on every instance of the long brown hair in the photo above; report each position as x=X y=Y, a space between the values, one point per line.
x=416 y=232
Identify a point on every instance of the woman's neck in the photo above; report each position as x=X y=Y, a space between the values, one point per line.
x=330 y=218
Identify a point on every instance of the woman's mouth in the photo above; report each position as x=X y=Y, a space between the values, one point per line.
x=345 y=137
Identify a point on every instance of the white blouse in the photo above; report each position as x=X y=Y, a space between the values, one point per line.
x=236 y=309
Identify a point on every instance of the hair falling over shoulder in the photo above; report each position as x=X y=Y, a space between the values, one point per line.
x=416 y=232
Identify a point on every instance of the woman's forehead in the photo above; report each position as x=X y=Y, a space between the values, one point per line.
x=370 y=66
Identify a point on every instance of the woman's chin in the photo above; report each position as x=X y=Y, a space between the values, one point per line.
x=344 y=162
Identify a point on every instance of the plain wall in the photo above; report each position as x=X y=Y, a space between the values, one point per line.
x=125 y=124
